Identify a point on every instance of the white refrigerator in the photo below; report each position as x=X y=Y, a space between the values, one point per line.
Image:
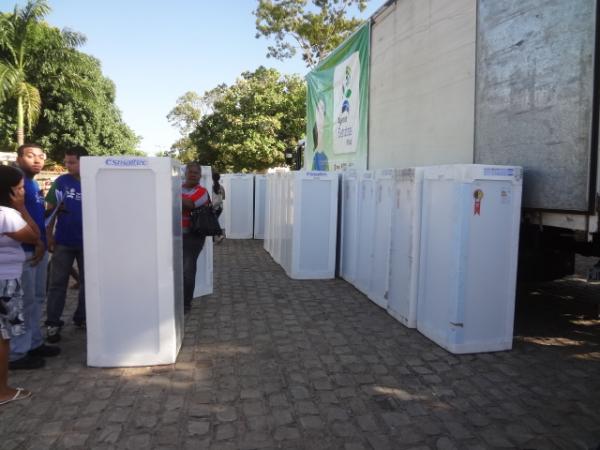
x=133 y=260
x=287 y=207
x=314 y=217
x=238 y=207
x=366 y=231
x=380 y=268
x=277 y=216
x=260 y=189
x=349 y=225
x=269 y=206
x=303 y=206
x=468 y=258
x=405 y=246
x=272 y=211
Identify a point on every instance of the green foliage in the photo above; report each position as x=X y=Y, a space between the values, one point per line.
x=15 y=44
x=8 y=128
x=78 y=102
x=186 y=116
x=316 y=30
x=187 y=112
x=183 y=149
x=252 y=122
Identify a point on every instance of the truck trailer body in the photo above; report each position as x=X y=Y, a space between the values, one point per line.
x=497 y=82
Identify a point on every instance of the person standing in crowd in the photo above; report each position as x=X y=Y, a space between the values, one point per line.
x=217 y=202
x=192 y=196
x=16 y=227
x=65 y=241
x=27 y=351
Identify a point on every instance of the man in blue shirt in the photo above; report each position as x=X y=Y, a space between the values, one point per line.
x=27 y=351
x=66 y=242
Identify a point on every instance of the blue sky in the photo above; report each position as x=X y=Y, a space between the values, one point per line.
x=155 y=51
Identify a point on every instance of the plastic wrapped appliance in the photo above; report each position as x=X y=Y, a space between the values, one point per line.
x=133 y=260
x=380 y=269
x=276 y=209
x=405 y=243
x=469 y=243
x=269 y=189
x=260 y=188
x=286 y=211
x=366 y=232
x=303 y=208
x=238 y=207
x=313 y=211
x=349 y=225
x=273 y=215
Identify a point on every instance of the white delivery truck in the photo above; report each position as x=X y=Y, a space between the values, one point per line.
x=498 y=82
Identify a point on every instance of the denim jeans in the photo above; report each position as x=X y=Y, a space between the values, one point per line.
x=33 y=282
x=192 y=246
x=61 y=264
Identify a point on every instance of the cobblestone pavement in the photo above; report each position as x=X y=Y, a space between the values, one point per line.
x=270 y=362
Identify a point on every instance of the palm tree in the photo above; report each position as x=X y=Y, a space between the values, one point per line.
x=14 y=44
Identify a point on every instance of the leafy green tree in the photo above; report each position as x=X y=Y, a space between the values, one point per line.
x=91 y=120
x=186 y=116
x=182 y=149
x=78 y=101
x=15 y=43
x=8 y=128
x=252 y=122
x=187 y=112
x=316 y=29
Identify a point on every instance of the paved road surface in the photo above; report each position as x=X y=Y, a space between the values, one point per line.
x=270 y=362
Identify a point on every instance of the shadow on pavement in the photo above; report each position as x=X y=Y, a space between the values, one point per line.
x=561 y=314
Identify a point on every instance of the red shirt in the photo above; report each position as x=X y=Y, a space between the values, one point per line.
x=198 y=195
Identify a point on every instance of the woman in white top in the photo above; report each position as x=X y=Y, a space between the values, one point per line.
x=218 y=195
x=16 y=227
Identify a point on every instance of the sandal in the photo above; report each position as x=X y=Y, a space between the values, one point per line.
x=21 y=394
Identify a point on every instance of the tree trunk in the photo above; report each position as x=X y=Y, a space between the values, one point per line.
x=20 y=122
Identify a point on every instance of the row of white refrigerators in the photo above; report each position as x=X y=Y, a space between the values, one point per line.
x=434 y=246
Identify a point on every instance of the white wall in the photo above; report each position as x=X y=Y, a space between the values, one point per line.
x=422 y=84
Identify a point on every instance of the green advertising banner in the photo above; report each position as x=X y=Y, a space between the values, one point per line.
x=337 y=107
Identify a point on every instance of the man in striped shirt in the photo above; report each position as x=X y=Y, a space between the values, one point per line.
x=192 y=196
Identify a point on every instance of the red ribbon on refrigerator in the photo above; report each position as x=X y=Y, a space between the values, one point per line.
x=477 y=196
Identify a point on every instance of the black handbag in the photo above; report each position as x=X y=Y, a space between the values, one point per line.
x=204 y=222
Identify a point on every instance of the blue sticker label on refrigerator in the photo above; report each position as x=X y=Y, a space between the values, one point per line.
x=498 y=172
x=316 y=174
x=126 y=162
